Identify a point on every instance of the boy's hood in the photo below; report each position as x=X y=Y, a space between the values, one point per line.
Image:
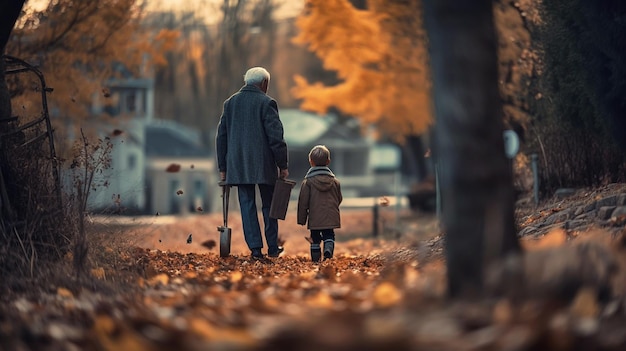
x=317 y=170
x=322 y=182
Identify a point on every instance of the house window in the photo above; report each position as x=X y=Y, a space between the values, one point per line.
x=198 y=186
x=355 y=162
x=173 y=196
x=112 y=105
x=199 y=198
x=132 y=161
x=131 y=101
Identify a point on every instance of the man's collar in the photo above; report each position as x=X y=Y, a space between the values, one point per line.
x=250 y=87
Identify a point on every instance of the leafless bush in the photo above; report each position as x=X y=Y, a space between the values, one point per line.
x=91 y=158
x=44 y=229
x=36 y=227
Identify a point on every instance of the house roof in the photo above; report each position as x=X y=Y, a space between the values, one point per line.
x=143 y=83
x=170 y=140
x=385 y=157
x=303 y=129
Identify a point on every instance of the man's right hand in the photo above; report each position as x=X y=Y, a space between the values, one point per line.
x=222 y=175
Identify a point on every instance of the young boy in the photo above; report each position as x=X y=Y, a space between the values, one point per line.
x=319 y=199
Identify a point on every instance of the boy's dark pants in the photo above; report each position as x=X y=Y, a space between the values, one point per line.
x=328 y=236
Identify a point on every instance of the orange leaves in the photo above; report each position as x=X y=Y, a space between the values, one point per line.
x=222 y=336
x=554 y=238
x=166 y=42
x=63 y=292
x=173 y=168
x=380 y=57
x=337 y=32
x=383 y=201
x=585 y=305
x=320 y=300
x=236 y=276
x=159 y=279
x=98 y=273
x=79 y=45
x=387 y=295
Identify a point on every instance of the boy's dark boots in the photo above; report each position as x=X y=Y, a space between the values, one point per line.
x=329 y=248
x=316 y=252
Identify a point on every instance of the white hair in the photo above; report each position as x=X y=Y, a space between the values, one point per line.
x=256 y=75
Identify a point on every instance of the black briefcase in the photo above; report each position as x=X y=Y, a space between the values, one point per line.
x=280 y=199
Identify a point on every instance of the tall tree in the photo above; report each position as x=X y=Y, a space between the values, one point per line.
x=475 y=175
x=79 y=46
x=380 y=60
x=580 y=115
x=9 y=12
x=210 y=59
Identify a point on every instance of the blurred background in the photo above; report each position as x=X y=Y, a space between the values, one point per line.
x=149 y=78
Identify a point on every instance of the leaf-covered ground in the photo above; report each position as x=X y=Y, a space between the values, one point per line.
x=148 y=289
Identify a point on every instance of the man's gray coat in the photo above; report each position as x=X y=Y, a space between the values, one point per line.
x=250 y=145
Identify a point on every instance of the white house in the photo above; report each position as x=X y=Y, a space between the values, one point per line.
x=139 y=178
x=129 y=102
x=356 y=159
x=180 y=172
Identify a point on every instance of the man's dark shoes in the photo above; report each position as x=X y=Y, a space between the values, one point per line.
x=257 y=254
x=276 y=252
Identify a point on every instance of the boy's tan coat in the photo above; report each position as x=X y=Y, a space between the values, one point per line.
x=319 y=201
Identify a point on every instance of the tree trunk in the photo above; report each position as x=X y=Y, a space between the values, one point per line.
x=415 y=160
x=9 y=12
x=474 y=174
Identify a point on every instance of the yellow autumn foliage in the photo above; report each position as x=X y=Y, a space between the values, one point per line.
x=380 y=57
x=79 y=45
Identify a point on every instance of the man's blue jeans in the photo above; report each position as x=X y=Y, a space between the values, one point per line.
x=250 y=217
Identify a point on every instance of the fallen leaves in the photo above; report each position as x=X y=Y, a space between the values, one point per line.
x=387 y=295
x=554 y=238
x=320 y=300
x=173 y=168
x=357 y=300
x=209 y=244
x=63 y=292
x=585 y=305
x=98 y=273
x=160 y=279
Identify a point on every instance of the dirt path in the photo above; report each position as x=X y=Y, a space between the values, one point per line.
x=376 y=294
x=183 y=296
x=355 y=237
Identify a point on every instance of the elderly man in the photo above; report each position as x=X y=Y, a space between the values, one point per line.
x=251 y=152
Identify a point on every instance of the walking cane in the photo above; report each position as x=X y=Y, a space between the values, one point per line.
x=224 y=230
